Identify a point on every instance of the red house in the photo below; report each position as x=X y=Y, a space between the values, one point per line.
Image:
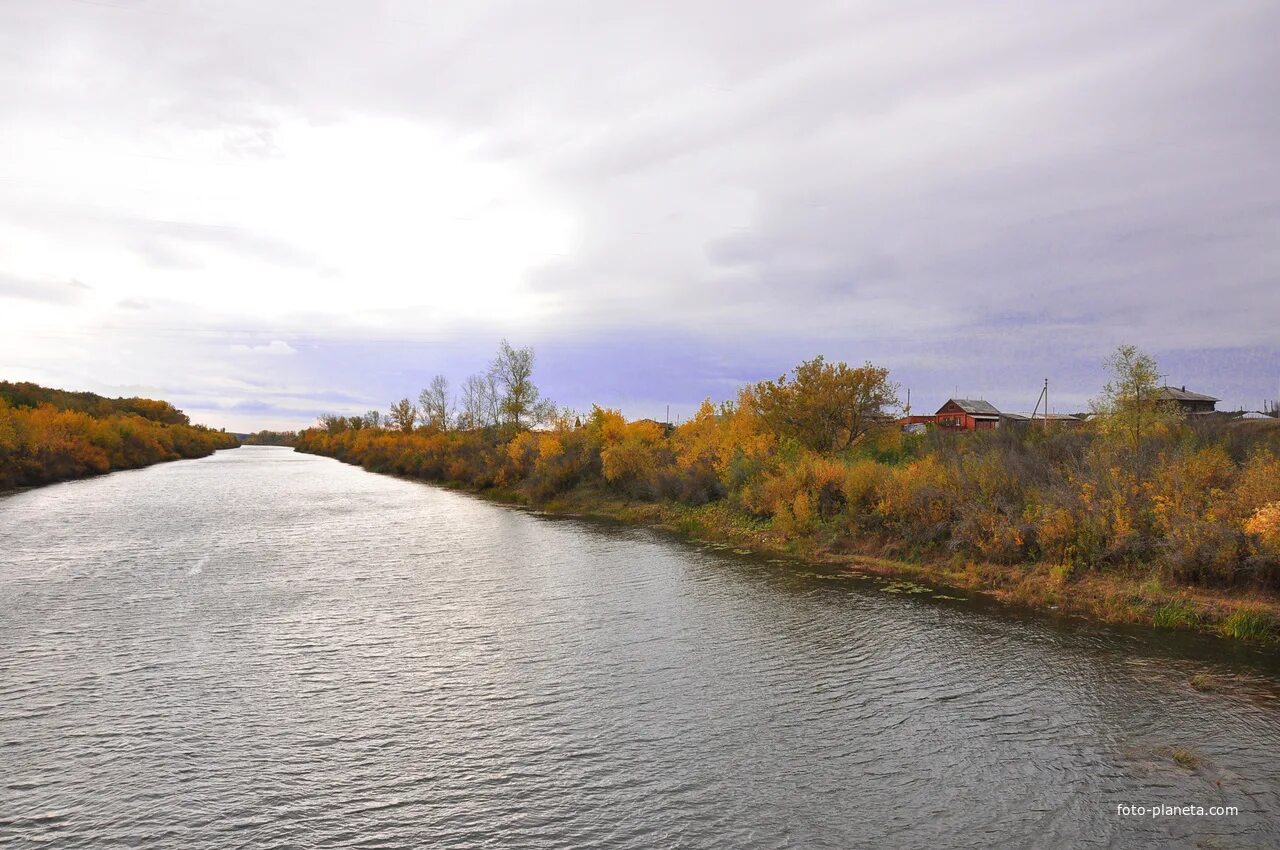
x=966 y=414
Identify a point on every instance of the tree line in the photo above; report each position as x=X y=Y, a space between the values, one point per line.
x=49 y=435
x=26 y=394
x=814 y=458
x=503 y=395
x=267 y=437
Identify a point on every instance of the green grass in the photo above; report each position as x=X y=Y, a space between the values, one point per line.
x=1247 y=623
x=1175 y=615
x=1187 y=758
x=1203 y=682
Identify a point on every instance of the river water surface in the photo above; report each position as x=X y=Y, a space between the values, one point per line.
x=266 y=649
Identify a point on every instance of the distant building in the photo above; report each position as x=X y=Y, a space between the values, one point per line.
x=1022 y=420
x=1188 y=402
x=666 y=427
x=966 y=414
x=908 y=423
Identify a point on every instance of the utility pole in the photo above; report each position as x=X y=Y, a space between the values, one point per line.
x=1044 y=396
x=1046 y=405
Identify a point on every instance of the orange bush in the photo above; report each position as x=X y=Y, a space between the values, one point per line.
x=42 y=444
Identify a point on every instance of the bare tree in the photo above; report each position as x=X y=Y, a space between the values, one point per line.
x=469 y=403
x=479 y=402
x=520 y=403
x=437 y=411
x=373 y=419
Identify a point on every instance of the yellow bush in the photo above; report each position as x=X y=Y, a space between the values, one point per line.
x=1265 y=525
x=629 y=453
x=1190 y=485
x=1257 y=485
x=550 y=446
x=716 y=437
x=861 y=484
x=918 y=498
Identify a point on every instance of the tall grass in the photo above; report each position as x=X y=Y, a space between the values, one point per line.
x=1175 y=615
x=1248 y=623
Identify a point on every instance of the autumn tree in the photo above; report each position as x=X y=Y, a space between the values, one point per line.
x=519 y=401
x=826 y=406
x=373 y=419
x=1129 y=411
x=629 y=451
x=155 y=410
x=403 y=415
x=437 y=411
x=332 y=422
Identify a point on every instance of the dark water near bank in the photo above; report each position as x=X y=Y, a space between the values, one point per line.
x=264 y=649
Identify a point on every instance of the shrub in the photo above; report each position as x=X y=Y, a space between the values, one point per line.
x=1247 y=623
x=1264 y=525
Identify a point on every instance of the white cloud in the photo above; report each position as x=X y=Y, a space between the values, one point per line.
x=276 y=347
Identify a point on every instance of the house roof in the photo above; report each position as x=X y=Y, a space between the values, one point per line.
x=1039 y=417
x=1181 y=394
x=974 y=407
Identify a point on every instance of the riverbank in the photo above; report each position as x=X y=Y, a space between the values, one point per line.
x=1178 y=530
x=1110 y=597
x=49 y=435
x=1115 y=597
x=11 y=490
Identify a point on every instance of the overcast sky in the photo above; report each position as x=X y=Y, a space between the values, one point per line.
x=262 y=211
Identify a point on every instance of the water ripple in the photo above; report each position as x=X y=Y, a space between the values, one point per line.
x=273 y=650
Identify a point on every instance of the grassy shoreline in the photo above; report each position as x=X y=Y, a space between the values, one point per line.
x=1108 y=597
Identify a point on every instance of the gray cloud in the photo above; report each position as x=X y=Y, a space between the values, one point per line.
x=873 y=180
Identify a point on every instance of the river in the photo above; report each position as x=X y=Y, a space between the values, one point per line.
x=266 y=649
